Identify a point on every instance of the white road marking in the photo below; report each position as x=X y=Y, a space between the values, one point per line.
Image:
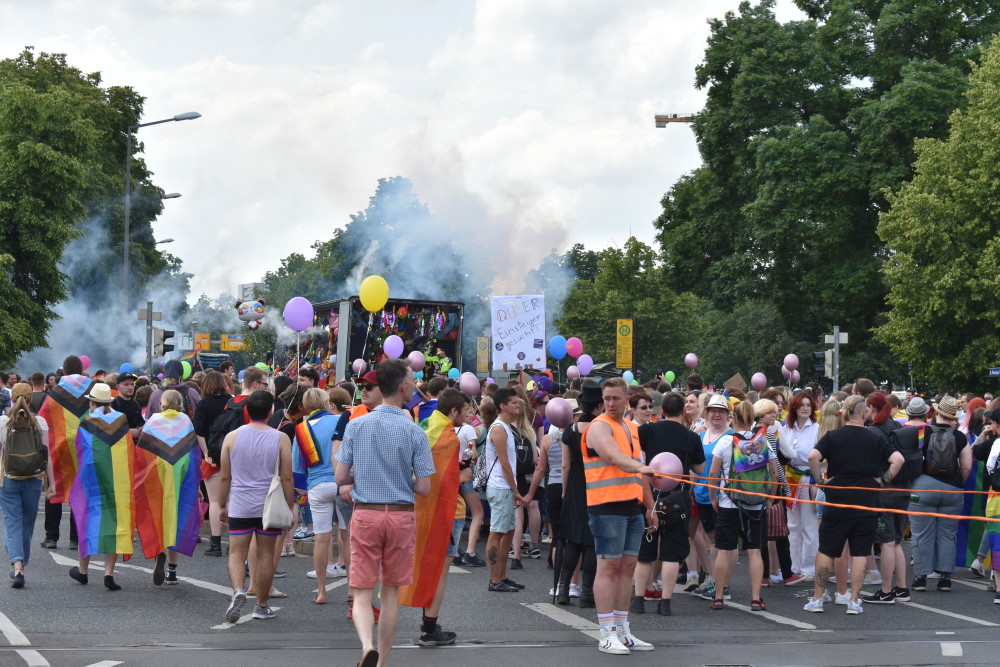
x=242 y=619
x=207 y=585
x=106 y=663
x=566 y=618
x=951 y=649
x=944 y=632
x=971 y=584
x=784 y=620
x=337 y=583
x=454 y=569
x=951 y=614
x=33 y=658
x=15 y=637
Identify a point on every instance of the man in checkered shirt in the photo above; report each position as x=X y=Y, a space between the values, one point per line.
x=391 y=460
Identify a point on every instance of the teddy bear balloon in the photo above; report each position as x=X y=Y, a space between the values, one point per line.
x=251 y=312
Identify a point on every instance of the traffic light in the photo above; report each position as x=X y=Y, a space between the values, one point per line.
x=160 y=344
x=824 y=367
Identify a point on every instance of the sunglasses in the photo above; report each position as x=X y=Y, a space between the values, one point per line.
x=367 y=387
x=645 y=407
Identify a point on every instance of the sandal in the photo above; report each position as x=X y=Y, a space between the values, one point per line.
x=717 y=603
x=316 y=600
x=758 y=605
x=275 y=593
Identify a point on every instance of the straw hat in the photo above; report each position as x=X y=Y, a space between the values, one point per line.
x=100 y=393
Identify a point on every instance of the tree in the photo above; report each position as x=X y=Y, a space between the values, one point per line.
x=943 y=231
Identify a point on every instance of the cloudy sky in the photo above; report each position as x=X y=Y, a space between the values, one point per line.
x=529 y=119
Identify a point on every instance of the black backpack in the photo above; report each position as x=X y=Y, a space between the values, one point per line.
x=25 y=455
x=907 y=441
x=231 y=419
x=940 y=451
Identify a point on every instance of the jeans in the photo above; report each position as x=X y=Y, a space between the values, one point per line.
x=19 y=503
x=934 y=539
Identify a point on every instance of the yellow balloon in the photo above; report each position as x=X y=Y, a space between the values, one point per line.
x=374 y=293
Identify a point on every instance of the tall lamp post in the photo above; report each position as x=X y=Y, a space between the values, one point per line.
x=190 y=115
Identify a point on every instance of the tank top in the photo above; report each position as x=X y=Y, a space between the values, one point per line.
x=555 y=455
x=251 y=462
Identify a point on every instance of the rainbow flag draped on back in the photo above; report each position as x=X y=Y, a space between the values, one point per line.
x=306 y=439
x=101 y=495
x=62 y=410
x=167 y=475
x=435 y=513
x=974 y=504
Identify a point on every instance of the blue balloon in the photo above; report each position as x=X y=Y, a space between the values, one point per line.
x=419 y=375
x=628 y=377
x=125 y=368
x=454 y=374
x=557 y=347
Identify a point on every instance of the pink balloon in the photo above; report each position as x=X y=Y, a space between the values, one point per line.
x=572 y=373
x=469 y=383
x=795 y=377
x=559 y=412
x=417 y=360
x=691 y=360
x=574 y=347
x=666 y=463
x=791 y=362
x=787 y=373
x=298 y=313
x=85 y=360
x=758 y=381
x=585 y=363
x=359 y=366
x=393 y=346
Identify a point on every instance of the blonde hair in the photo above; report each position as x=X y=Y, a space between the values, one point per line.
x=316 y=399
x=763 y=406
x=830 y=417
x=523 y=423
x=21 y=416
x=743 y=414
x=171 y=399
x=850 y=406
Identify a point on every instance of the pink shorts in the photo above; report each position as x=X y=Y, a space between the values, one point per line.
x=386 y=539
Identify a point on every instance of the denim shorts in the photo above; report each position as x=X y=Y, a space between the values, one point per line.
x=617 y=535
x=466 y=487
x=502 y=509
x=457 y=526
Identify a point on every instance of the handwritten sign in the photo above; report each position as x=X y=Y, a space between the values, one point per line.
x=518 y=332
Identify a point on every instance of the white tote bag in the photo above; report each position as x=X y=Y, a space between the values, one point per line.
x=277 y=513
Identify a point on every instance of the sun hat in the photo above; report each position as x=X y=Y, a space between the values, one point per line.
x=717 y=401
x=100 y=393
x=574 y=406
x=948 y=408
x=917 y=407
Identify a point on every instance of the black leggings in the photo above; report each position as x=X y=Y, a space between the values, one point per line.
x=784 y=558
x=571 y=557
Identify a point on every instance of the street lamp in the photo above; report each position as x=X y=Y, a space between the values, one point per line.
x=190 y=115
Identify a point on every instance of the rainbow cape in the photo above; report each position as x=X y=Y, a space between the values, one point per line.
x=435 y=513
x=975 y=504
x=62 y=410
x=167 y=475
x=306 y=439
x=101 y=495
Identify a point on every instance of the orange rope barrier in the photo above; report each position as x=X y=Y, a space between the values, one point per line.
x=684 y=478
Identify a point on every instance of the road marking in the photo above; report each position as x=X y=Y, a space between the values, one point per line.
x=951 y=614
x=971 y=584
x=944 y=632
x=784 y=620
x=454 y=569
x=207 y=585
x=15 y=637
x=333 y=584
x=242 y=619
x=566 y=618
x=951 y=649
x=33 y=658
x=106 y=663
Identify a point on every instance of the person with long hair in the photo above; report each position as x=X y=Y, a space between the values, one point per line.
x=215 y=396
x=526 y=454
x=796 y=438
x=19 y=495
x=692 y=412
x=777 y=555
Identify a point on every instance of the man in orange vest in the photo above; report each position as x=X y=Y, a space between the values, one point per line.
x=616 y=496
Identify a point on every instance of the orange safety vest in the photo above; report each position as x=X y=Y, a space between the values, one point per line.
x=607 y=483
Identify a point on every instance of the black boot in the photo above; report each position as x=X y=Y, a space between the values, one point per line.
x=663 y=607
x=214 y=547
x=562 y=593
x=587 y=597
x=638 y=605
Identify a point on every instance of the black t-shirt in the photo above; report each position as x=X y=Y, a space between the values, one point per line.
x=669 y=436
x=855 y=456
x=961 y=442
x=130 y=408
x=208 y=410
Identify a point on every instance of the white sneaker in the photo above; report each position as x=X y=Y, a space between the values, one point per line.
x=842 y=599
x=692 y=582
x=826 y=597
x=815 y=606
x=934 y=575
x=777 y=579
x=873 y=578
x=334 y=571
x=977 y=568
x=574 y=591
x=854 y=608
x=609 y=642
x=630 y=641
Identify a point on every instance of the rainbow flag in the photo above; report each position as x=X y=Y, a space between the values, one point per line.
x=167 y=476
x=101 y=495
x=435 y=513
x=795 y=477
x=190 y=357
x=306 y=439
x=974 y=504
x=62 y=410
x=751 y=454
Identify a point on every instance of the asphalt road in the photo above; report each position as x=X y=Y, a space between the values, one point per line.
x=55 y=621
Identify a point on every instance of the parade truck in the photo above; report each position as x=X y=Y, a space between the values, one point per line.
x=433 y=328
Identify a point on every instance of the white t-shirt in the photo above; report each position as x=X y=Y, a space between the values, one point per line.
x=724 y=451
x=496 y=480
x=466 y=435
x=42 y=426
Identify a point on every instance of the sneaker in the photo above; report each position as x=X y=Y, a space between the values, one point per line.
x=992 y=586
x=630 y=641
x=76 y=575
x=161 y=561
x=511 y=582
x=332 y=572
x=280 y=574
x=663 y=607
x=214 y=550
x=841 y=599
x=262 y=613
x=873 y=578
x=944 y=584
x=16 y=579
x=765 y=583
x=996 y=598
x=303 y=533
x=534 y=552
x=515 y=564
x=919 y=584
x=171 y=578
x=474 y=560
x=73 y=545
x=48 y=544
x=825 y=597
x=652 y=594
x=637 y=605
x=236 y=604
x=691 y=583
x=795 y=580
x=706 y=592
x=814 y=606
x=502 y=587
x=725 y=594
x=880 y=597
x=111 y=584
x=977 y=568
x=287 y=550
x=854 y=608
x=574 y=591
x=609 y=641
x=934 y=575
x=777 y=579
x=901 y=594
x=437 y=638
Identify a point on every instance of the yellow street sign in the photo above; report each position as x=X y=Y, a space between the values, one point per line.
x=624 y=335
x=482 y=354
x=231 y=342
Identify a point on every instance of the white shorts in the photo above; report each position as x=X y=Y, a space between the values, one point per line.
x=322 y=502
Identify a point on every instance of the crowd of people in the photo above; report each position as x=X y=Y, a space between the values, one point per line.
x=386 y=475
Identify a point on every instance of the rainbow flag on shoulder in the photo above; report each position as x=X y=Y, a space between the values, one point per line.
x=63 y=409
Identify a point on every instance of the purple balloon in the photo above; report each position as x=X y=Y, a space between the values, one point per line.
x=417 y=360
x=791 y=362
x=691 y=360
x=585 y=363
x=787 y=373
x=469 y=383
x=359 y=366
x=298 y=313
x=758 y=381
x=393 y=346
x=559 y=413
x=572 y=373
x=795 y=377
x=490 y=381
